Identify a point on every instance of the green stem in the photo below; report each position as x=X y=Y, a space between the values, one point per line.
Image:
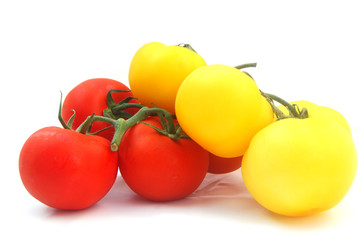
x=118 y=125
x=85 y=126
x=186 y=45
x=109 y=98
x=121 y=125
x=59 y=115
x=246 y=65
x=120 y=128
x=292 y=110
x=120 y=107
x=105 y=119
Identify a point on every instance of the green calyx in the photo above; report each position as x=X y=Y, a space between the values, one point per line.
x=117 y=110
x=84 y=128
x=169 y=129
x=116 y=116
x=121 y=125
x=293 y=109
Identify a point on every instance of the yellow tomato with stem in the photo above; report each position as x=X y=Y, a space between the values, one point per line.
x=221 y=108
x=157 y=70
x=298 y=167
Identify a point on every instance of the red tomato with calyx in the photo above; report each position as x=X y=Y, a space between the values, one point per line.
x=220 y=165
x=65 y=169
x=90 y=97
x=158 y=168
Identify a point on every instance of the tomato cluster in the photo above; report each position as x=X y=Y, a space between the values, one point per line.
x=180 y=119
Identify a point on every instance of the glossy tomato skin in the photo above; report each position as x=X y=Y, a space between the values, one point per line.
x=89 y=97
x=67 y=170
x=157 y=71
x=298 y=167
x=159 y=168
x=220 y=165
x=221 y=108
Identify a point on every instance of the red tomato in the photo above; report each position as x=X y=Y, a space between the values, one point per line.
x=219 y=165
x=90 y=97
x=159 y=168
x=65 y=169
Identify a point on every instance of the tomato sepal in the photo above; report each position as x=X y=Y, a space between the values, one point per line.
x=293 y=109
x=84 y=127
x=117 y=110
x=121 y=125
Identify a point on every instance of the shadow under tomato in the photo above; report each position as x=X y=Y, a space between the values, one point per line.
x=315 y=221
x=218 y=197
x=60 y=214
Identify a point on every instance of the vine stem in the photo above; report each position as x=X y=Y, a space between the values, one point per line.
x=289 y=106
x=186 y=45
x=293 y=109
x=124 y=106
x=246 y=65
x=121 y=125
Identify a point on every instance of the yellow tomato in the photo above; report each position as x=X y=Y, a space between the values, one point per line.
x=221 y=108
x=297 y=167
x=156 y=72
x=318 y=111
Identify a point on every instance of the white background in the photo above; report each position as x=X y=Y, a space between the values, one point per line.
x=304 y=50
